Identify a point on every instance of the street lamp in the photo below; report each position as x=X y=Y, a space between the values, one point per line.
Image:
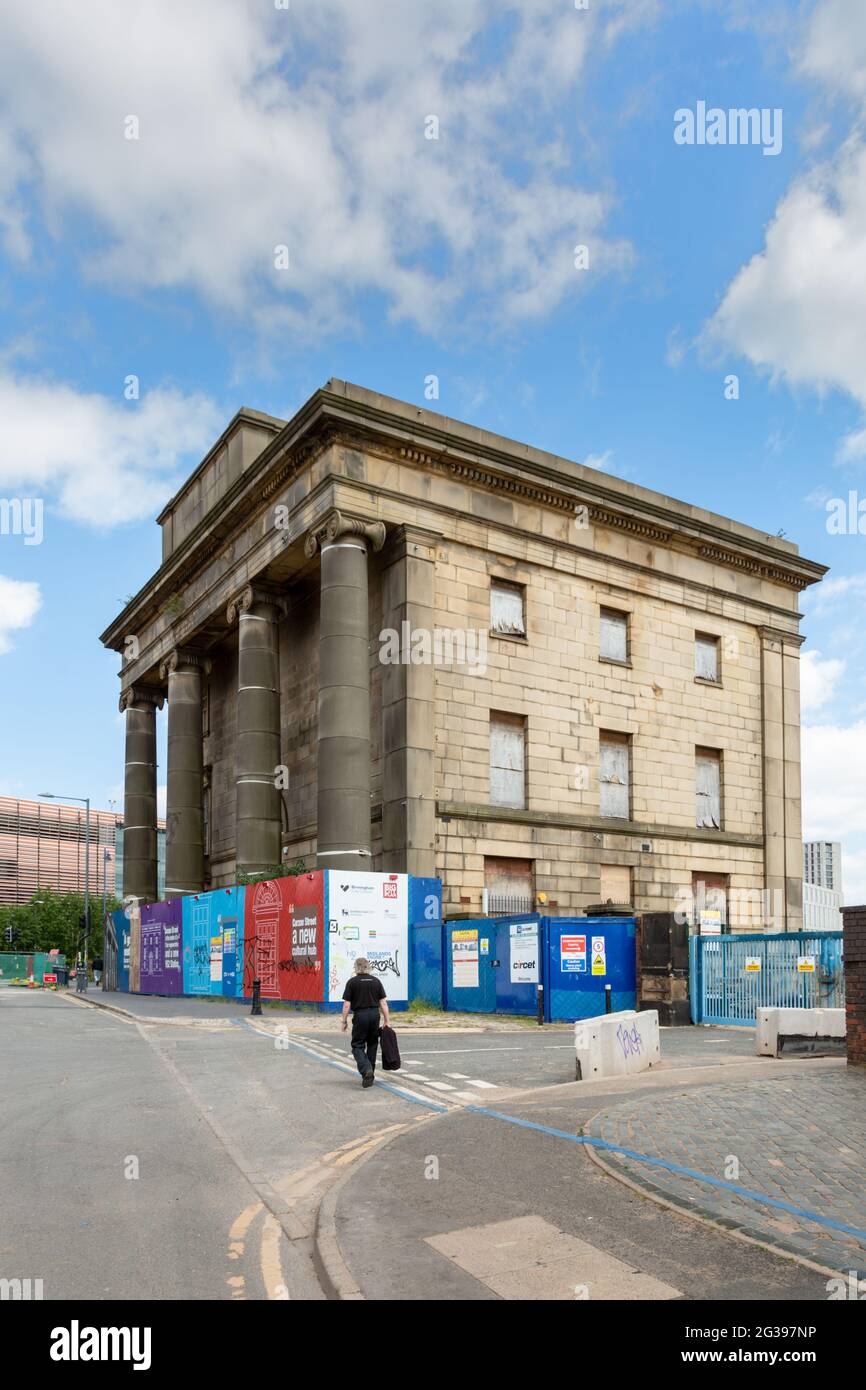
x=106 y=859
x=85 y=802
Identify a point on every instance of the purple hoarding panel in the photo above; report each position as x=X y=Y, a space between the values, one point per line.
x=161 y=948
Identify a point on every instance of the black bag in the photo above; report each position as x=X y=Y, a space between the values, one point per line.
x=390 y=1050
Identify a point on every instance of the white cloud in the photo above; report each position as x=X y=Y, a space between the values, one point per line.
x=796 y=309
x=20 y=601
x=818 y=677
x=834 y=807
x=835 y=47
x=305 y=127
x=830 y=590
x=104 y=461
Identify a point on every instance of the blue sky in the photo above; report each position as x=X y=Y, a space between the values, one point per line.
x=259 y=127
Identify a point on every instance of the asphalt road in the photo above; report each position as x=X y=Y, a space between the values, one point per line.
x=169 y=1160
x=475 y=1067
x=217 y=1124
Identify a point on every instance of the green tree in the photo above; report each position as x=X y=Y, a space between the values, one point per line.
x=52 y=920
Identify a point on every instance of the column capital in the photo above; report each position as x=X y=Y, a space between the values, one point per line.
x=140 y=695
x=336 y=525
x=181 y=657
x=252 y=594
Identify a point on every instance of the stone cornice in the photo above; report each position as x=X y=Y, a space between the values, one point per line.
x=350 y=416
x=598 y=825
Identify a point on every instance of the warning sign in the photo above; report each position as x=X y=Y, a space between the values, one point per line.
x=572 y=950
x=599 y=959
x=753 y=965
x=805 y=965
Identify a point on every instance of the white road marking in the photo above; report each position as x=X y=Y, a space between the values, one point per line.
x=457 y=1075
x=440 y=1086
x=448 y=1051
x=482 y=1085
x=527 y=1258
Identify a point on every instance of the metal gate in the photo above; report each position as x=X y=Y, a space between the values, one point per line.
x=732 y=976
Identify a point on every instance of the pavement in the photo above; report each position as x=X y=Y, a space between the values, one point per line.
x=799 y=1142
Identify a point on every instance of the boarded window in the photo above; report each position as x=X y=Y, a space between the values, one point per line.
x=708 y=789
x=614 y=635
x=507 y=766
x=509 y=884
x=706 y=657
x=613 y=770
x=710 y=902
x=507 y=609
x=615 y=883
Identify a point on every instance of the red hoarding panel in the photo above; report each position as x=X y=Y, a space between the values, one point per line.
x=284 y=938
x=302 y=969
x=263 y=908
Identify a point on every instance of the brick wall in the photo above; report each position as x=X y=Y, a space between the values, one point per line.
x=854 y=926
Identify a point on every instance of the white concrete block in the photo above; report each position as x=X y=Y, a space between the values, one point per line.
x=617 y=1044
x=773 y=1024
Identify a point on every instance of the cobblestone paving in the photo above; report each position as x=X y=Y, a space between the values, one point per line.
x=801 y=1140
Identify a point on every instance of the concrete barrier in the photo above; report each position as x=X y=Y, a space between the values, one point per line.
x=780 y=1032
x=616 y=1044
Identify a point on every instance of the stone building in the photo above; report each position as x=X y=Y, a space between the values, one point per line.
x=390 y=640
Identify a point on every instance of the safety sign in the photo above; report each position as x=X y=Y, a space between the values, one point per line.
x=806 y=965
x=573 y=954
x=753 y=965
x=599 y=957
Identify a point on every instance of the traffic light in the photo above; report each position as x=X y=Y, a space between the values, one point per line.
x=11 y=934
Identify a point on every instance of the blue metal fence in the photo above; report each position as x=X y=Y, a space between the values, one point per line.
x=732 y=976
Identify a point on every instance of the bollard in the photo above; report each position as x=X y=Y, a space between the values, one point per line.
x=608 y=1000
x=540 y=1005
x=257 y=1001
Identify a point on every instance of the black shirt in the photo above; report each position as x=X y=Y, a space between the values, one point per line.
x=364 y=992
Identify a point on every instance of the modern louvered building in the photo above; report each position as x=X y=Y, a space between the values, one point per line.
x=43 y=844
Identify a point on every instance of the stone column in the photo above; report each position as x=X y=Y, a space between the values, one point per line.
x=139 y=793
x=343 y=821
x=408 y=692
x=783 y=835
x=258 y=820
x=184 y=836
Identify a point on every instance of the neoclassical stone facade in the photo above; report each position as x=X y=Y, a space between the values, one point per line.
x=299 y=552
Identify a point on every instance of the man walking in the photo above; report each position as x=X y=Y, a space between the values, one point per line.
x=365 y=996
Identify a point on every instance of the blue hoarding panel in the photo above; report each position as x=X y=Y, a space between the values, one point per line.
x=121 y=931
x=425 y=900
x=425 y=979
x=470 y=976
x=213 y=938
x=519 y=969
x=584 y=954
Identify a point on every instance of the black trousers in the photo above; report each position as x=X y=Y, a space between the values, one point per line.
x=365 y=1038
